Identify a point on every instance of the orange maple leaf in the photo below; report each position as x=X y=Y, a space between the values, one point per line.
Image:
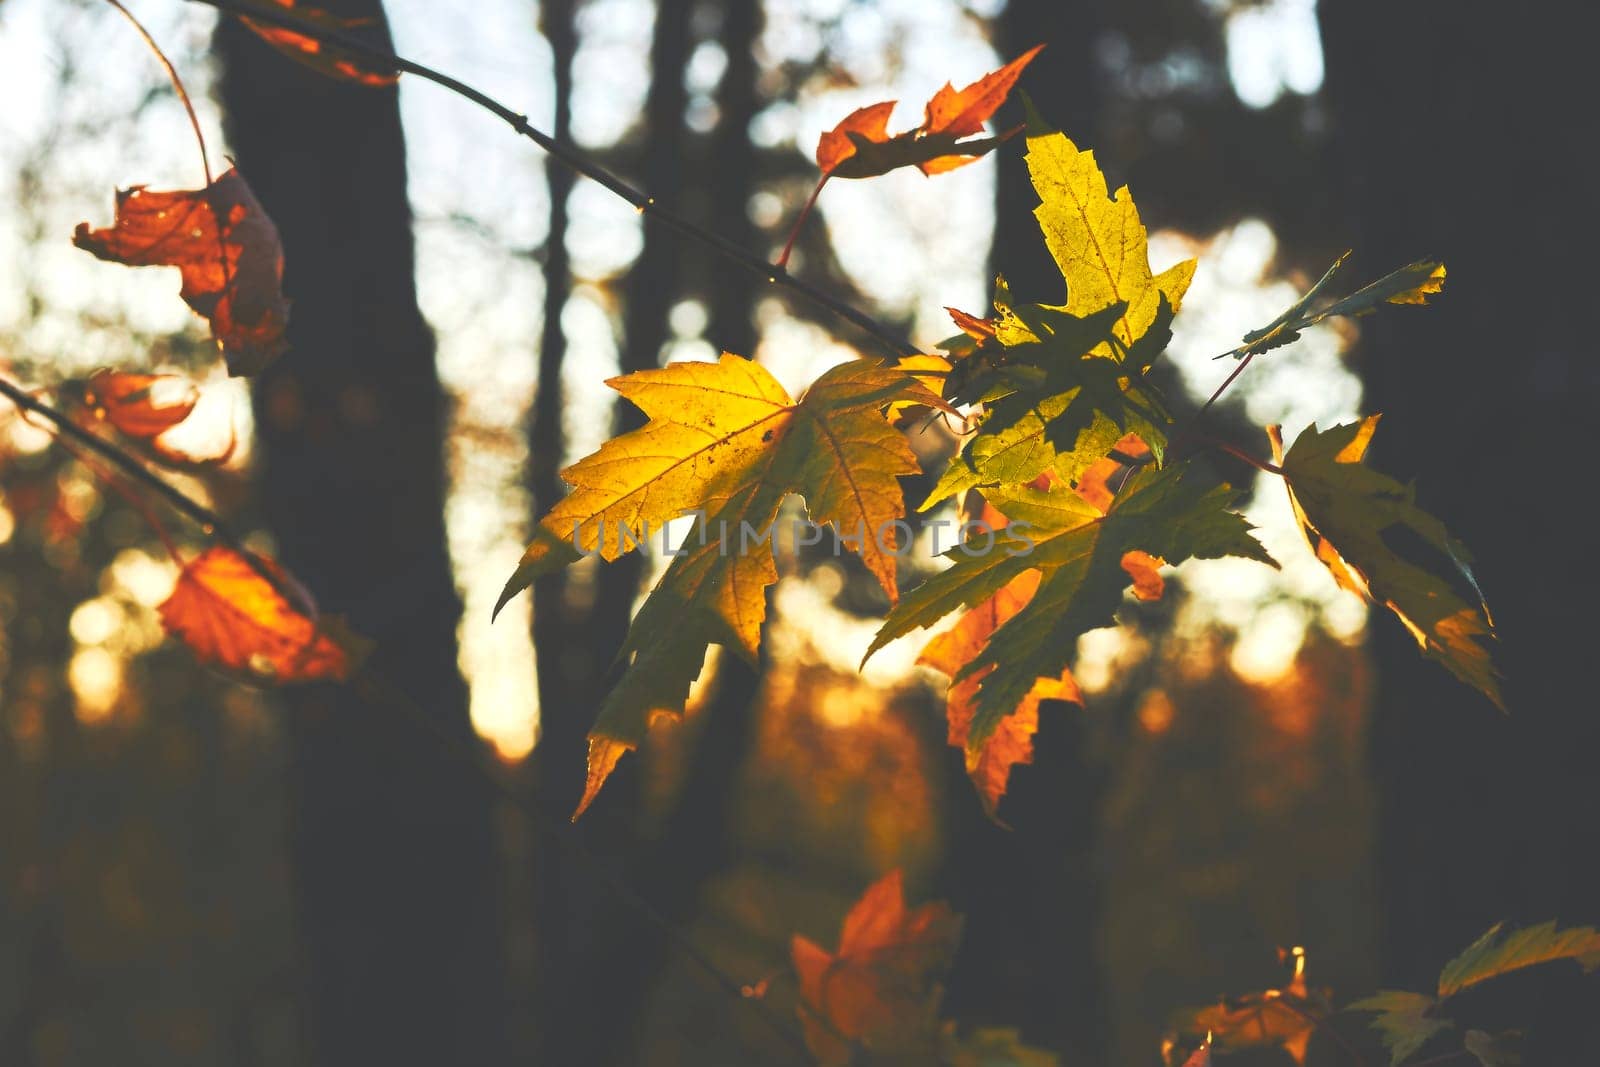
x=880 y=990
x=949 y=652
x=322 y=56
x=227 y=249
x=232 y=616
x=140 y=405
x=143 y=408
x=860 y=146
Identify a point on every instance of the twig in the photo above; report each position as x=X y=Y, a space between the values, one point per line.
x=210 y=523
x=177 y=83
x=567 y=154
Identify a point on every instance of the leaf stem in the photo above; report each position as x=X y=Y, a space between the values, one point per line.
x=567 y=154
x=1243 y=456
x=788 y=246
x=177 y=83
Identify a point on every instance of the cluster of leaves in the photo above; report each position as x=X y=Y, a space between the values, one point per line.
x=1068 y=465
x=1408 y=1022
x=877 y=995
x=1067 y=462
x=236 y=610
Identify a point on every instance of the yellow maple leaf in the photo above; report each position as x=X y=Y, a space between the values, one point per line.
x=726 y=443
x=1097 y=238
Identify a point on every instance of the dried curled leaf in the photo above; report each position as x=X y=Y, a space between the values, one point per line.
x=1276 y=1018
x=880 y=990
x=139 y=405
x=144 y=408
x=1367 y=530
x=322 y=56
x=860 y=146
x=231 y=616
x=229 y=254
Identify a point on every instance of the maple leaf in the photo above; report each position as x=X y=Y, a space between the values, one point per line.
x=725 y=441
x=1011 y=742
x=879 y=991
x=1282 y=1018
x=139 y=405
x=1175 y=514
x=1500 y=951
x=1404 y=1021
x=1407 y=1021
x=231 y=616
x=1352 y=517
x=860 y=146
x=229 y=254
x=1071 y=382
x=1411 y=284
x=322 y=56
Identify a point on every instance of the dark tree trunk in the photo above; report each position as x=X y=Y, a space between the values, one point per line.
x=590 y=983
x=557 y=651
x=1028 y=956
x=1457 y=126
x=393 y=841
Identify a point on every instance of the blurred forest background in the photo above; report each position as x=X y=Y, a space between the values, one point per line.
x=192 y=872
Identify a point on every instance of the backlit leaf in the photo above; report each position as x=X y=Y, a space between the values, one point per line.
x=1367 y=530
x=143 y=408
x=1078 y=550
x=724 y=440
x=1011 y=742
x=1411 y=284
x=1278 y=1018
x=860 y=146
x=227 y=250
x=879 y=991
x=1500 y=951
x=1403 y=1021
x=322 y=56
x=1070 y=383
x=139 y=405
x=232 y=617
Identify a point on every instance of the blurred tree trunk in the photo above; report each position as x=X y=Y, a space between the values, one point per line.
x=392 y=833
x=1029 y=955
x=1445 y=115
x=590 y=984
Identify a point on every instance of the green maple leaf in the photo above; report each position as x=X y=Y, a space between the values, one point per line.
x=1403 y=1021
x=1173 y=514
x=1407 y=1022
x=1354 y=518
x=1500 y=951
x=1411 y=284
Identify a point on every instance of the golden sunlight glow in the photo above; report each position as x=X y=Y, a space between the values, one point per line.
x=96 y=677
